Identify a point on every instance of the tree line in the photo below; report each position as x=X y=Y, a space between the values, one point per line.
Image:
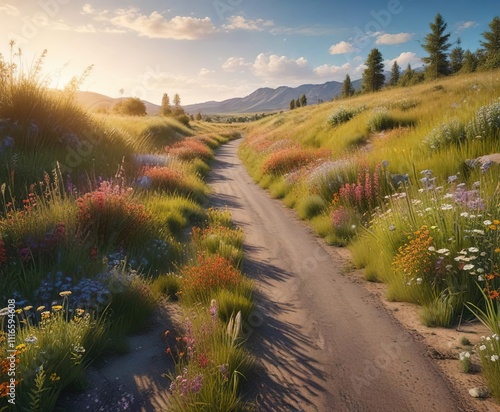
x=300 y=102
x=439 y=62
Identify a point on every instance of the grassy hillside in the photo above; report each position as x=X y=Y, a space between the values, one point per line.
x=93 y=217
x=349 y=165
x=399 y=176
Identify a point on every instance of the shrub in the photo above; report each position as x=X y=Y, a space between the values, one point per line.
x=131 y=106
x=343 y=114
x=452 y=132
x=486 y=122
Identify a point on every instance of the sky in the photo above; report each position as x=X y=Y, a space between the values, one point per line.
x=218 y=49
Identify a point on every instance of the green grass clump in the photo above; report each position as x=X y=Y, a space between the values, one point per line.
x=310 y=207
x=166 y=285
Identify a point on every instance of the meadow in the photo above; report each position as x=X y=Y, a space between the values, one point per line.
x=400 y=179
x=102 y=218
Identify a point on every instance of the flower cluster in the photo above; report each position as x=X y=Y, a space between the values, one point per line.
x=414 y=259
x=287 y=160
x=3 y=253
x=165 y=179
x=190 y=149
x=365 y=192
x=211 y=273
x=110 y=212
x=489 y=353
x=185 y=385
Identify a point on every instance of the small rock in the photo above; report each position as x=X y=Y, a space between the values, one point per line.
x=479 y=392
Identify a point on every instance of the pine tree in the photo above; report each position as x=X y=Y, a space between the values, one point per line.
x=395 y=74
x=436 y=44
x=347 y=89
x=292 y=104
x=457 y=57
x=297 y=103
x=491 y=45
x=303 y=101
x=470 y=62
x=373 y=76
x=165 y=105
x=177 y=100
x=407 y=76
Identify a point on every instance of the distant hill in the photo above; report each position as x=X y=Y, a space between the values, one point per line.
x=266 y=99
x=95 y=101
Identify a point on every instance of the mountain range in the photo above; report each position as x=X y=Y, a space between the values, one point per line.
x=264 y=99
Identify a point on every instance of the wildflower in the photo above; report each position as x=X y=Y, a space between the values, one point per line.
x=452 y=179
x=54 y=377
x=4 y=312
x=443 y=252
x=446 y=206
x=464 y=355
x=480 y=278
x=213 y=309
x=57 y=308
x=482 y=347
x=468 y=267
x=494 y=358
x=392 y=228
x=464 y=214
x=65 y=293
x=78 y=349
x=473 y=249
x=419 y=281
x=40 y=308
x=431 y=249
x=31 y=339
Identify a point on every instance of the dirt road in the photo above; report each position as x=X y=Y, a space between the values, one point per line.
x=324 y=343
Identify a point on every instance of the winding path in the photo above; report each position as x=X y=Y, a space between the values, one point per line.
x=324 y=343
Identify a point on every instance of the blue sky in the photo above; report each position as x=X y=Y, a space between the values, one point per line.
x=218 y=49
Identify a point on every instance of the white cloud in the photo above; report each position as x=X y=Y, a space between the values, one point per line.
x=464 y=25
x=154 y=25
x=280 y=67
x=240 y=23
x=204 y=71
x=88 y=9
x=234 y=64
x=404 y=59
x=342 y=48
x=10 y=10
x=336 y=72
x=393 y=38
